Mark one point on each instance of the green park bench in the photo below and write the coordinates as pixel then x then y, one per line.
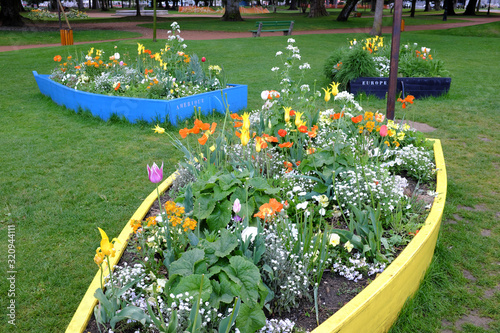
pixel 272 26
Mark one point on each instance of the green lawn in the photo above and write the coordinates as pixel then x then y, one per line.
pixel 65 174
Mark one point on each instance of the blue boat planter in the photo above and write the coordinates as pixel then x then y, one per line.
pixel 135 109
pixel 417 86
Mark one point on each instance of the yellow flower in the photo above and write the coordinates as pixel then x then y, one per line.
pixel 369 126
pixel 287 114
pixel 159 129
pixel 334 88
pixel 298 119
pixel 107 247
pixel 244 137
pixel 400 136
pixel 334 240
pixel 212 148
pixel 368 115
pixel 348 246
pixel 140 48
pixel 327 94
pixel 391 133
pixel 246 121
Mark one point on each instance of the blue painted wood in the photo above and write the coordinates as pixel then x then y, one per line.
pixel 150 110
pixel 417 86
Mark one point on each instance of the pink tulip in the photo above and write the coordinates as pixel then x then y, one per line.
pixel 155 174
pixel 383 130
pixel 237 206
pixel 203 59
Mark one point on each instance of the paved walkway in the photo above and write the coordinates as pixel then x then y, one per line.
pixel 207 35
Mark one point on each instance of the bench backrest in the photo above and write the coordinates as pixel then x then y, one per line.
pixel 273 23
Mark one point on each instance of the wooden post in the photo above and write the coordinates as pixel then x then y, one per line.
pixel 154 20
pixel 393 72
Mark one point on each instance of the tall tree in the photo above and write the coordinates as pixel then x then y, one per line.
pixel 293 5
pixel 137 8
pixel 471 8
pixel 349 6
pixel 9 14
pixel 427 6
pixel 449 7
pixel 377 19
pixel 437 5
pixel 413 6
pixel 232 12
pixel 318 9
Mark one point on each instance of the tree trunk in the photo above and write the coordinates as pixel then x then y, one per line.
pixel 232 12
pixel 373 6
pixel 9 14
pixel 437 5
pixel 427 5
pixel 293 5
pixel 137 8
pixel 478 6
pixel 318 9
pixel 346 11
pixel 471 8
pixel 80 4
pixel 377 19
pixel 413 5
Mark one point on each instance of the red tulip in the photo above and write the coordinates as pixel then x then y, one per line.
pixel 203 59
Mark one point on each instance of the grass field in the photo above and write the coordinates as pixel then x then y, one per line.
pixel 64 174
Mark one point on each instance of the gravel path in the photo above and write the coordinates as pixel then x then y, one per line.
pixel 207 35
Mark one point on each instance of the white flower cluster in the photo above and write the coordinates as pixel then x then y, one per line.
pixel 416 161
pixel 278 326
pixel 364 184
pixel 383 66
pixel 356 265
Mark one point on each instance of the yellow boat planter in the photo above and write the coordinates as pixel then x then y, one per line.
pixel 376 307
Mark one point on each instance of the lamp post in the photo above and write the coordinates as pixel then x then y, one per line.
pixel 393 71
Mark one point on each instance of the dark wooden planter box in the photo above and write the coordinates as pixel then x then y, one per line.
pixel 416 86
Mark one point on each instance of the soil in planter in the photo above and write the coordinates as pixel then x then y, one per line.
pixel 334 291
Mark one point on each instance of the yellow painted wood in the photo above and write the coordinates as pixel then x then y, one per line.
pixel 376 308
pixel 373 310
pixel 86 308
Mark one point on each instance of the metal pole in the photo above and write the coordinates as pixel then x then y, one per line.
pixel 393 73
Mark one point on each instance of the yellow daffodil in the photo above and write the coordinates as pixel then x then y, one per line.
pixel 334 88
pixel 159 129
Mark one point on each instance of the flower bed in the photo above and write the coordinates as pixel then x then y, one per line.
pixel 377 306
pixel 263 204
pixel 135 109
pixel 364 67
pixel 155 86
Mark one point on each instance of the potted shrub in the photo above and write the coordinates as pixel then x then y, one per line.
pixel 363 66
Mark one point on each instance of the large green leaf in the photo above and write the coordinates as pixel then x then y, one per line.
pixel 220 217
pixel 221 292
pixel 245 274
pixel 225 244
pixel 228 181
pixel 191 284
pixel 186 264
pixel 130 312
pixel 250 318
pixel 203 206
pixel 261 184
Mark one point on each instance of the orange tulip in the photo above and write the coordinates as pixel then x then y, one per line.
pixel 285 145
pixel 203 139
pixel 357 119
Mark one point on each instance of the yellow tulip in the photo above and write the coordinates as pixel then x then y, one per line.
pixel 327 94
pixel 244 137
pixel 334 88
pixel 246 121
pixel 298 119
pixel 107 247
pixel 159 129
pixel 287 114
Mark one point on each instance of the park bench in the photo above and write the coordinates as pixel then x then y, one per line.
pixel 272 26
